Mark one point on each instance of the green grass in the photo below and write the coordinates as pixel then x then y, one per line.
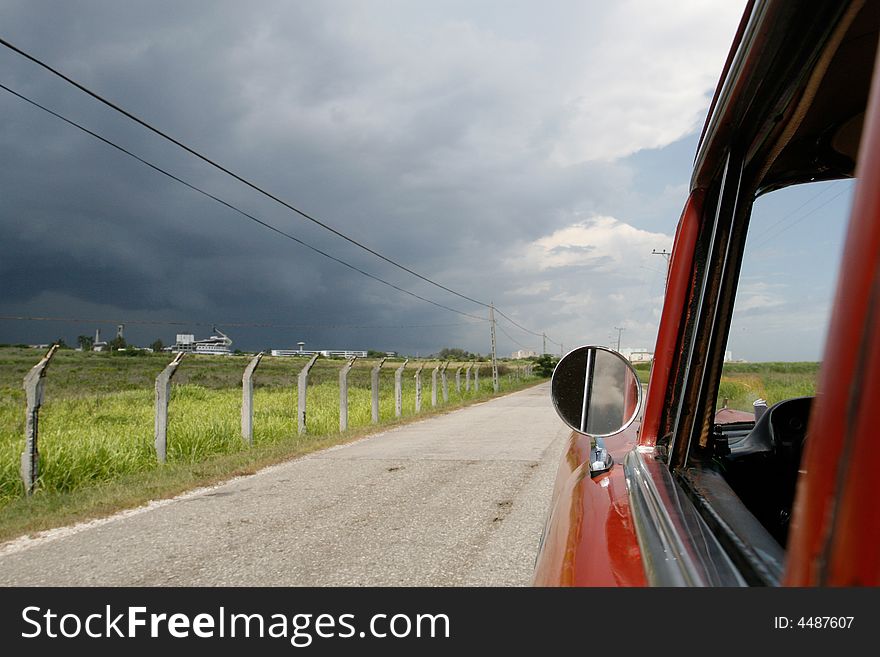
pixel 743 383
pixel 643 370
pixel 96 425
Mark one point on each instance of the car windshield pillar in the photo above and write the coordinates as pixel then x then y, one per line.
pixel 708 327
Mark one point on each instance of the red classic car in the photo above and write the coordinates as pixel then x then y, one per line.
pixel 674 489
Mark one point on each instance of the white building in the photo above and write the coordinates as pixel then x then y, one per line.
pixel 523 353
pixel 292 352
pixel 99 344
pixel 637 355
pixel 326 353
pixel 215 345
pixel 343 353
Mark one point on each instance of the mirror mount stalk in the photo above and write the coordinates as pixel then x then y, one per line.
pixel 600 458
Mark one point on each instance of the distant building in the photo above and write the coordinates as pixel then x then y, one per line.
pixel 343 353
pixel 641 357
pixel 292 352
pixel 326 353
pixel 638 355
pixel 217 345
pixel 523 353
pixel 99 344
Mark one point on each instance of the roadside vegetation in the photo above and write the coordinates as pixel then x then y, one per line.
pixel 96 424
pixel 743 383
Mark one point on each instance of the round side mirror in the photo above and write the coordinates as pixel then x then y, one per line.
pixel 596 391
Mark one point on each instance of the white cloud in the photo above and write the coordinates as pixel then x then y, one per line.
pixel 753 296
pixel 595 81
pixel 533 290
pixel 601 243
pixel 594 274
pixel 646 77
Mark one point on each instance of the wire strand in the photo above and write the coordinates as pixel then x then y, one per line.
pixel 512 339
pixel 233 207
pixel 229 172
pixel 247 182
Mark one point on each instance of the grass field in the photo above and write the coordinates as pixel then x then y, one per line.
pixel 743 383
pixel 96 423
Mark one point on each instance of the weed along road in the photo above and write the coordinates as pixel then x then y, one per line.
pixel 458 499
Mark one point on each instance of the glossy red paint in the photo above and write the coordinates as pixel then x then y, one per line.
pixel 590 539
pixel 836 518
pixel 835 529
pixel 678 286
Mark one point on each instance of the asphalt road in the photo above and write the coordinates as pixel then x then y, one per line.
pixel 455 500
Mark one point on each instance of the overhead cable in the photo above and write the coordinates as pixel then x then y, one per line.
pixel 233 207
pixel 245 181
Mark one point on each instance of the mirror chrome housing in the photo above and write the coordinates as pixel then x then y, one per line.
pixel 596 391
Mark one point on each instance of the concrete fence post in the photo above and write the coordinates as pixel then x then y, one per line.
pixel 445 383
pixel 398 389
pixel 247 400
pixel 458 380
pixel 374 389
pixel 467 377
pixel 418 378
pixel 343 394
pixel 302 383
pixel 163 392
pixel 33 386
pixel 477 377
pixel 434 385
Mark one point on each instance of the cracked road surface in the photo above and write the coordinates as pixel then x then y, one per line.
pixel 455 500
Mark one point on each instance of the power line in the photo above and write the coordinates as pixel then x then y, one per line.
pixel 245 181
pixel 520 326
pixel 512 339
pixel 231 206
pixel 229 172
pixel 773 236
pixel 148 322
pixel 767 229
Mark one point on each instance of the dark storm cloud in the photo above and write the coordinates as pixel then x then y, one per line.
pixel 433 136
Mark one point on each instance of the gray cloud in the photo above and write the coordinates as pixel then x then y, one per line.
pixel 448 137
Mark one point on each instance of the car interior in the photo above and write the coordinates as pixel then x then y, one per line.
pixel 744 478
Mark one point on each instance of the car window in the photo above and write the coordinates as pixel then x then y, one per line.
pixel 784 296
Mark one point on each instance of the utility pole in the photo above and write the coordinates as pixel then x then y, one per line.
pixel 666 254
pixel 619 331
pixel 544 335
pixel 494 360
